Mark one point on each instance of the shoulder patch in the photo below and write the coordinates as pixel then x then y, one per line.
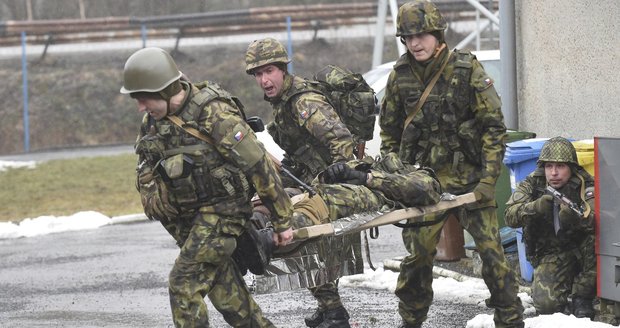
pixel 481 80
pixel 487 82
pixel 239 135
pixel 589 193
pixel 304 114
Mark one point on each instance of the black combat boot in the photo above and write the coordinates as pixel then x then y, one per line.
pixel 335 318
pixel 315 318
pixel 582 308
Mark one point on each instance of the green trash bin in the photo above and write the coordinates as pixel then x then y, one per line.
pixel 502 187
pixel 502 193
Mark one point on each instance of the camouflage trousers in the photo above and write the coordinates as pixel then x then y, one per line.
pixel 338 252
pixel 414 285
pixel 204 268
pixel 559 275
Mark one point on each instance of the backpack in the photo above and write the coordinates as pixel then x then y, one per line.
pixel 352 98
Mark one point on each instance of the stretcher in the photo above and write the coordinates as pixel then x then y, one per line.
pixel 308 266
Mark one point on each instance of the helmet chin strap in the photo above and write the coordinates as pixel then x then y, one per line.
pixel 167 98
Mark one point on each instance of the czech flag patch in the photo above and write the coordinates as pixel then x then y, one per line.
pixel 239 135
pixel 304 114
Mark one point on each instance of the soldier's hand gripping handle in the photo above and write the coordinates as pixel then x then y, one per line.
pixel 539 207
pixel 283 238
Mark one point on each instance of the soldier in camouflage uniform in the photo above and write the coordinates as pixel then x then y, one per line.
pixel 199 165
pixel 559 242
pixel 346 190
pixel 308 129
pixel 366 185
pixel 458 132
pixel 305 125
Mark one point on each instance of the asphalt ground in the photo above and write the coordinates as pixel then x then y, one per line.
pixel 116 276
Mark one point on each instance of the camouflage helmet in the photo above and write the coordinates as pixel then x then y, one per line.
pixel 420 16
pixel 263 52
pixel 151 70
pixel 558 149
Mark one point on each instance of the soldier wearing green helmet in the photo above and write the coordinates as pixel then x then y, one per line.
pixel 559 241
pixel 419 17
pixel 308 129
pixel 305 125
pixel 441 111
pixel 199 164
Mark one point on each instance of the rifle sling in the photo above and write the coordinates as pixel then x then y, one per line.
pixel 180 123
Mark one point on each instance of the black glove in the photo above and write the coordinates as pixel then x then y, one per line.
pixel 335 173
pixel 568 218
pixel 341 172
pixel 541 206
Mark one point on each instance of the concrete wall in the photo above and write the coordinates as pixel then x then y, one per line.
pixel 568 67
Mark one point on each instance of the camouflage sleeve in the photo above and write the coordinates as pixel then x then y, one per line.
pixel 587 224
pixel 318 117
pixel 237 143
pixel 488 112
pixel 514 214
pixel 269 188
pixel 391 117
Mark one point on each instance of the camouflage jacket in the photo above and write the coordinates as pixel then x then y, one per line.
pixel 308 129
pixel 218 177
pixel 538 230
pixel 459 131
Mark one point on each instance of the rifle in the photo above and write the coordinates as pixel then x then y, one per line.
pixel 257 125
pixel 562 198
pixel 284 170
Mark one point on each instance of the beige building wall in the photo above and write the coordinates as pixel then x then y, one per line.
pixel 568 67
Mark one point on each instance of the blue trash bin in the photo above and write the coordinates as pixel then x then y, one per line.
pixel 520 158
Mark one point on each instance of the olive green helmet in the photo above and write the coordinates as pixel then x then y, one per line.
pixel 151 70
pixel 420 16
pixel 558 149
pixel 263 52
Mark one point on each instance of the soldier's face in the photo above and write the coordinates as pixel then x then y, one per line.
pixel 270 78
pixel 422 45
pixel 557 174
pixel 156 107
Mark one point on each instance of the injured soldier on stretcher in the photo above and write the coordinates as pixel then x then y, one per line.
pixel 342 190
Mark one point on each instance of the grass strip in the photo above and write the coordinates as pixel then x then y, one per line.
pixel 64 187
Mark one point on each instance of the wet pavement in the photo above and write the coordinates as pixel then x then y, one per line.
pixel 116 276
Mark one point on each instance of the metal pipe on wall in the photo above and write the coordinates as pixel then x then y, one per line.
pixel 289 45
pixel 507 49
pixel 377 52
pixel 394 11
pixel 26 119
